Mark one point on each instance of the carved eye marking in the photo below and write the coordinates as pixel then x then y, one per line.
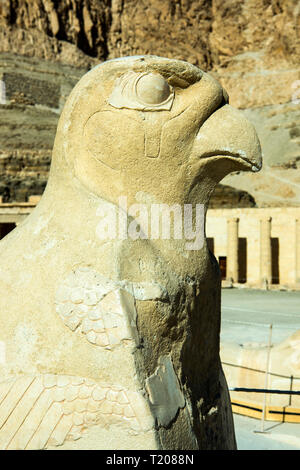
pixel 142 91
pixel 152 89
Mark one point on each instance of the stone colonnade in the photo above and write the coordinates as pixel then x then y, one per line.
pixel 265 250
pixel 265 242
pixel 232 273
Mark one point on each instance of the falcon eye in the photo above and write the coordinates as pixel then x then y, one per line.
pixel 152 89
pixel 145 91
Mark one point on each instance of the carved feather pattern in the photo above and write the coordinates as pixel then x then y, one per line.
pixel 46 410
pixel 92 305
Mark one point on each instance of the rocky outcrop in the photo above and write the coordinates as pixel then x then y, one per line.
pixel 33 94
pixel 226 196
pixel 207 32
pixel 277 184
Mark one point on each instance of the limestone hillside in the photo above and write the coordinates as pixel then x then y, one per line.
pixel 252 46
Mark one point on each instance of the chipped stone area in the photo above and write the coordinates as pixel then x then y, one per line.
pixel 145 290
pixel 165 395
pixel 101 309
pixel 41 411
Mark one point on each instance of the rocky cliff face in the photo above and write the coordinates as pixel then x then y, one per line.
pixel 32 96
pixel 205 32
pixel 251 46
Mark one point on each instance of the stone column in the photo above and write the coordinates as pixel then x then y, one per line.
pixel 297 251
pixel 233 250
pixel 265 252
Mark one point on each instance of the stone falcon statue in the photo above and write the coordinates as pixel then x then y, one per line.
pixel 113 343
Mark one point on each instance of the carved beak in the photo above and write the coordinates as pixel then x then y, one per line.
pixel 226 134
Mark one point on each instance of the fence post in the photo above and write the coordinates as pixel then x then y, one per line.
pixel 266 379
pixel 291 389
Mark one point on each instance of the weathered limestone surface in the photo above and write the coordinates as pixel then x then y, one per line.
pixel 117 334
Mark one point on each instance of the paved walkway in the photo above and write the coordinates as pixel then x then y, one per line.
pixel 277 436
pixel 247 314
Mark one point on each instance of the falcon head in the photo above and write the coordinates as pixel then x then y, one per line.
pixel 156 127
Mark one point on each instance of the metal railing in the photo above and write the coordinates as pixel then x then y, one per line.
pixel 264 390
